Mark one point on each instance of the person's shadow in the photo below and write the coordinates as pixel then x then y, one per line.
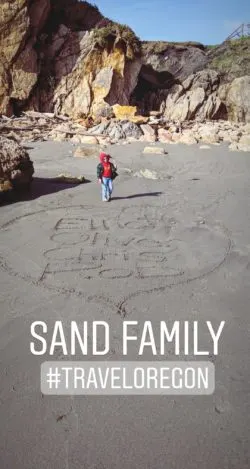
pixel 39 187
pixel 134 196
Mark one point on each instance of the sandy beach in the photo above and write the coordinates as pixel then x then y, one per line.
pixel 173 244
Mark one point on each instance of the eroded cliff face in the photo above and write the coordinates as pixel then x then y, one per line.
pixel 88 82
pixel 51 60
pixel 40 43
pixel 164 66
pixel 64 56
pixel 21 22
pixel 190 81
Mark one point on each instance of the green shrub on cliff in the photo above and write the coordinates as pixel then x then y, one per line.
pixel 110 33
pixel 232 58
pixel 160 47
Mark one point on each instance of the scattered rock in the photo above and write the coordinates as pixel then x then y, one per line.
pixel 86 139
pixel 209 134
pixel 173 129
pixel 228 136
pixel 246 128
pixel 155 150
pixel 100 128
pixel 83 152
pixel 242 145
pixel 85 123
pixel 124 112
pixel 187 138
pixel 56 137
pixel 34 126
pixel 148 133
pixel 164 135
pixel 105 111
pixel 175 137
pixel 233 147
pixel 154 121
pixel 116 132
pixel 245 140
pixel 103 141
pixel 125 170
pixel 131 130
pixel 139 120
pixel 132 139
pixel 146 173
pixel 155 113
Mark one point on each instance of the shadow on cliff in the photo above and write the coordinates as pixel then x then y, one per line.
pixel 152 89
pixel 39 187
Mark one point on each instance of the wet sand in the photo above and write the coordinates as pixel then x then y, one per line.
pixel 174 245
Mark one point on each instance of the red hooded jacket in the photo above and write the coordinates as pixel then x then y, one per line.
pixel 107 169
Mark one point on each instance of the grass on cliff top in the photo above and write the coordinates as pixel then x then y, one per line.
pixel 159 47
pixel 242 41
pixel 231 55
pixel 108 32
pixel 233 43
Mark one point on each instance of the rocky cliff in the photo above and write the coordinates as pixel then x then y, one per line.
pixel 64 56
pixel 193 81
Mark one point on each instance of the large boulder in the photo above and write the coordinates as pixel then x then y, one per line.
pixel 244 143
pixel 195 98
pixel 179 60
pixel 237 99
pixel 149 134
pixel 164 135
pixel 16 168
pixel 124 112
pixel 131 130
pixel 123 129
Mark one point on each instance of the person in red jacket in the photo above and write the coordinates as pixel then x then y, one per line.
pixel 106 173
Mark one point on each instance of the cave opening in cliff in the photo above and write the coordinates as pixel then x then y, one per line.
pixel 151 89
pixel 16 106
